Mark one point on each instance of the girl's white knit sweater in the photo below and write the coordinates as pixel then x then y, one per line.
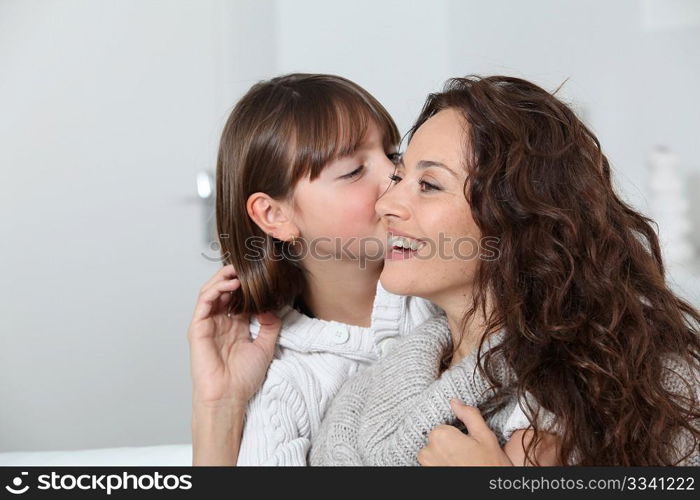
pixel 313 359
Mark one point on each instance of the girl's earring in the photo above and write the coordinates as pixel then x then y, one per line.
pixel 293 243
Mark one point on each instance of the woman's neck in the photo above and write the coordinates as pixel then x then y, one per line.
pixel 465 337
pixel 341 290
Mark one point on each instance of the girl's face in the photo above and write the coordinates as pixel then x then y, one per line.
pixel 335 212
pixel 427 206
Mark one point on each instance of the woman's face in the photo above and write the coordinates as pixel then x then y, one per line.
pixel 428 207
pixel 335 212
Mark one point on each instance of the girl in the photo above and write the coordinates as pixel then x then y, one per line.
pixel 569 321
pixel 302 160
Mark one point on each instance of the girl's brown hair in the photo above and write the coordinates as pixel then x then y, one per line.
pixel 280 131
pixel 579 286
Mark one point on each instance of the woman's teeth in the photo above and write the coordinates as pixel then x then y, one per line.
pixel 401 242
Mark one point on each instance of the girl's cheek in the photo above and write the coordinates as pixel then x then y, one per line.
pixel 357 220
pixel 360 207
pixel 367 194
pixel 349 212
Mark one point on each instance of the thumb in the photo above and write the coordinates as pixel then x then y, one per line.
pixel 270 326
pixel 472 419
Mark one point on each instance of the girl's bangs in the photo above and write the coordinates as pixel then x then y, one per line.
pixel 335 128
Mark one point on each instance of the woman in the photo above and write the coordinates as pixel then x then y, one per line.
pixel 570 322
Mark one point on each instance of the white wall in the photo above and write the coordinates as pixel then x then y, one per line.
pixel 396 49
pixel 637 84
pixel 109 108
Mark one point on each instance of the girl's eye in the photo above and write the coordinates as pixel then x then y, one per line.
pixel 354 173
pixel 394 178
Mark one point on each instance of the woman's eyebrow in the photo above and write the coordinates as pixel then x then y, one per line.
pixel 423 164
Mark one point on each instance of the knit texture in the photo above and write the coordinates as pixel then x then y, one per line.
pixel 313 358
pixel 382 416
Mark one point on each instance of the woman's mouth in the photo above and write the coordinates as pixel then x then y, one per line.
pixel 402 247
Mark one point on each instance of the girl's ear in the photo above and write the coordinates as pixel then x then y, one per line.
pixel 272 216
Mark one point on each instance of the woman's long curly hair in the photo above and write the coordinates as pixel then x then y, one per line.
pixel 579 285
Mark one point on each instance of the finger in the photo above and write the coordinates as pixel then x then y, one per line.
pixel 224 273
pixel 441 433
pixel 206 301
pixel 424 457
pixel 270 326
pixel 222 292
pixel 471 416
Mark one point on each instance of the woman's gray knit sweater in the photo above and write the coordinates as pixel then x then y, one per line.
pixel 382 415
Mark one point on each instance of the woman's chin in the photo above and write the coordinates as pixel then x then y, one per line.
pixel 400 283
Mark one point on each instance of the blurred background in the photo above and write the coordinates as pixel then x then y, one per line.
pixel 110 114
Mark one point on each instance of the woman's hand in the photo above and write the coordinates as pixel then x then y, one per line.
pixel 226 365
pixel 447 445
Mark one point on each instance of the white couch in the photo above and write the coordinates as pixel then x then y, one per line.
pixel 162 455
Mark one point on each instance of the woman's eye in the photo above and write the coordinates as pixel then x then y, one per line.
pixel 428 186
pixel 425 186
pixel 354 173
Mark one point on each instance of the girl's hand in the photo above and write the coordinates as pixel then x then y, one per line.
pixel 226 365
pixel 447 445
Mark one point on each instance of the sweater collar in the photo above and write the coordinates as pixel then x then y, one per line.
pixel 304 334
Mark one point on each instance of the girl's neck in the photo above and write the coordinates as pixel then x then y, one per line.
pixel 341 291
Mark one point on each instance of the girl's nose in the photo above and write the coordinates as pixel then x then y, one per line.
pixel 390 205
pixel 383 173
